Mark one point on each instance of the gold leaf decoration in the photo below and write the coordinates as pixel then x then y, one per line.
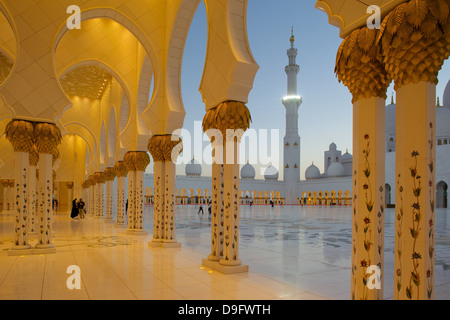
pixel 136 160
pixel 121 169
pixel 21 135
pixel 358 65
pixel 110 174
pixel 414 41
pixel 229 115
pixel 161 147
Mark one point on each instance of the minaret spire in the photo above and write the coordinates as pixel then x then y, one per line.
pixel 292 102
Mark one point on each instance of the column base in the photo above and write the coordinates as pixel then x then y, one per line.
pixel 155 243
pixel 214 258
pixel 136 232
pixel 44 249
pixel 110 221
pixel 20 250
pixel 225 269
pixel 170 244
pixel 121 225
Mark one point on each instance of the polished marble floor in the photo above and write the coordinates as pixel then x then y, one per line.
pixel 292 253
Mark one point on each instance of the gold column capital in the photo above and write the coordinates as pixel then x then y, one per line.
pixel 34 156
pixel 228 115
pixel 110 174
pixel 136 160
pixel 47 138
pixel 21 135
pixel 161 147
pixel 120 169
pixel 359 67
pixel 414 40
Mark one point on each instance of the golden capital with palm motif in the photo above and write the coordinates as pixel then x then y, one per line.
pixel 358 65
pixel 21 135
pixel 414 39
pixel 162 147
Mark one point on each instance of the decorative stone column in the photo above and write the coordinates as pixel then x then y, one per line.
pixel 231 119
pixel 20 134
pixel 414 40
pixel 121 172
pixel 110 175
pixel 136 163
pixel 70 198
pixel 164 150
pixel 47 139
pixel 360 70
pixel 217 209
pixel 5 185
pixel 32 196
pixel 92 202
pixel 100 180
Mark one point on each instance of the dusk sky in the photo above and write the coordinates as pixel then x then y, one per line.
pixel 326 113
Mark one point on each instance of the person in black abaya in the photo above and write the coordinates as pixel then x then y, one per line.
pixel 75 210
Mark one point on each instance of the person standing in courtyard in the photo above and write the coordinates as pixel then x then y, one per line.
pixel 81 210
pixel 74 212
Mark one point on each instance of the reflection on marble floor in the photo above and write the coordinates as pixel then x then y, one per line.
pixel 292 253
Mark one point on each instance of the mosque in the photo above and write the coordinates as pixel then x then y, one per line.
pixel 91 96
pixel 334 185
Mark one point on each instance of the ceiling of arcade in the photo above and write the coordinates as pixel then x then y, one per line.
pixel 349 15
pixel 100 75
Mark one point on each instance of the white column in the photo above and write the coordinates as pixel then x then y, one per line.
pixel 45 218
pixel 159 200
pixel 217 208
pixel 368 191
pixel 169 205
pixel 131 197
pixel 109 201
pixel 121 199
pixel 415 194
pixel 32 200
pixel 21 172
pixel 231 202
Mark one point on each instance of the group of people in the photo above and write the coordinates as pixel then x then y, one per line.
pixel 78 209
pixel 201 208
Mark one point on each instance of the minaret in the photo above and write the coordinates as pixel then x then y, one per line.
pixel 292 102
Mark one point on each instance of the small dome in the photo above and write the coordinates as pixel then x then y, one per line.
pixel 347 157
pixel 248 172
pixel 332 146
pixel 336 170
pixel 312 172
pixel 193 168
pixel 271 173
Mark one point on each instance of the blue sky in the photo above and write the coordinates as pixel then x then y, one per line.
pixel 326 113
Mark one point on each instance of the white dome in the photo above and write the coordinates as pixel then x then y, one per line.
pixel 312 172
pixel 336 170
pixel 347 157
pixel 193 168
pixel 271 173
pixel 248 172
pixel 446 98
